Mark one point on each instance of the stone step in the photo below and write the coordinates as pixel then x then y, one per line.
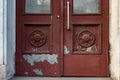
pixel 60 78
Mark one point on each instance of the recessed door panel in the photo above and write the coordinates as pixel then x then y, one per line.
pixel 87 39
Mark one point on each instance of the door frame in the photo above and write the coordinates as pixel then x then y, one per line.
pixel 113 37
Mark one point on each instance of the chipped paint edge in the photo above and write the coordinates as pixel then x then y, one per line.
pixel 38 72
pixel 66 51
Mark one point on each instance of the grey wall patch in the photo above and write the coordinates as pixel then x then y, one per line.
pixel 38 72
pixel 52 59
pixel 66 51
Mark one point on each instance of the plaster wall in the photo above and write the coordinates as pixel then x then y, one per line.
pixel 10 66
pixel 114 39
pixel 1 31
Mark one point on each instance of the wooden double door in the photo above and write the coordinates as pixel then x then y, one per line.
pixel 62 38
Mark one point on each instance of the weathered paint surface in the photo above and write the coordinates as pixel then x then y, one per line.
pixel 38 72
pixel 66 51
pixel 52 59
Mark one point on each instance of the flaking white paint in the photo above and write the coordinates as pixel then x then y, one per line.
pixel 38 72
pixel 50 58
pixel 89 49
pixel 66 51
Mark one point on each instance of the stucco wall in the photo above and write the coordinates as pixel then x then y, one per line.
pixel 114 39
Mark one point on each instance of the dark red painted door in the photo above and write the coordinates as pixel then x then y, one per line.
pixel 86 38
pixel 38 38
pixel 62 38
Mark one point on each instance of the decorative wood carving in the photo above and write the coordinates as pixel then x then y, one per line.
pixel 37 38
pixel 85 38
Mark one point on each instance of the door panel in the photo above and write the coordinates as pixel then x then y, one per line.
pixel 62 38
pixel 85 44
pixel 38 45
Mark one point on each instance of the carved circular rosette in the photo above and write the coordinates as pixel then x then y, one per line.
pixel 37 38
pixel 85 38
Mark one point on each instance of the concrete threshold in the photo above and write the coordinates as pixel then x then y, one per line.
pixel 60 78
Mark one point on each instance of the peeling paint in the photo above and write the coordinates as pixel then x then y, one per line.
pixel 38 72
pixel 52 59
pixel 34 49
pixel 66 51
pixel 93 48
pixel 26 73
pixel 89 49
